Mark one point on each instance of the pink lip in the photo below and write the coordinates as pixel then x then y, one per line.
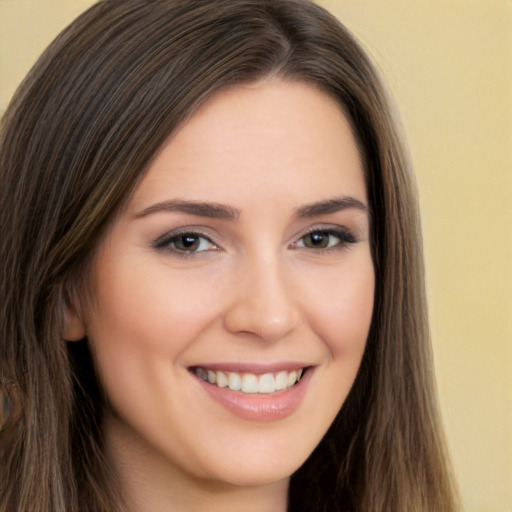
pixel 258 407
pixel 257 368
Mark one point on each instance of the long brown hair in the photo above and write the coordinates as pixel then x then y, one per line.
pixel 75 141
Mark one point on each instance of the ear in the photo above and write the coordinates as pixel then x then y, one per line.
pixel 74 326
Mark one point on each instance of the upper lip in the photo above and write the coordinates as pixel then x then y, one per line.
pixel 253 367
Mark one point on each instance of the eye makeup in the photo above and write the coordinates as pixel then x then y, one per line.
pixel 185 242
pixel 191 241
pixel 325 239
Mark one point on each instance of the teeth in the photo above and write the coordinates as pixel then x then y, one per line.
pixel 222 380
pixel 292 378
pixel 202 373
pixel 234 381
pixel 267 383
pixel 282 380
pixel 249 382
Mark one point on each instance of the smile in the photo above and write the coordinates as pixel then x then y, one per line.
pixel 250 383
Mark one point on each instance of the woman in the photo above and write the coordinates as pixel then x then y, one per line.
pixel 212 289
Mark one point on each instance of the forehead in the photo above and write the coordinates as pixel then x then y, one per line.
pixel 273 136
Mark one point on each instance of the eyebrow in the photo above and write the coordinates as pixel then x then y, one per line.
pixel 226 212
pixel 199 208
pixel 333 205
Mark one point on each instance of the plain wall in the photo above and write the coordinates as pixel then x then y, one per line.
pixel 448 65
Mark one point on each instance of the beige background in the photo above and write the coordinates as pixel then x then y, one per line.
pixel 448 64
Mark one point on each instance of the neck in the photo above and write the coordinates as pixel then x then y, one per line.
pixel 151 483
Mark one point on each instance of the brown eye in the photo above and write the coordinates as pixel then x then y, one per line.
pixel 184 243
pixel 187 242
pixel 325 239
pixel 317 240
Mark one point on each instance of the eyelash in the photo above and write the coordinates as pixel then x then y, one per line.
pixel 344 235
pixel 168 240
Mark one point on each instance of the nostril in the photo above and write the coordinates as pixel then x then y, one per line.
pixel 268 319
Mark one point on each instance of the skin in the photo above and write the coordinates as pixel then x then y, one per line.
pixel 254 291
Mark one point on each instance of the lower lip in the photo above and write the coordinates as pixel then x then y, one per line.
pixel 259 407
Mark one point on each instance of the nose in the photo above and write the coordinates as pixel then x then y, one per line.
pixel 264 303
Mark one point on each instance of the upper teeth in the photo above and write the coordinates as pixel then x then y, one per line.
pixel 250 382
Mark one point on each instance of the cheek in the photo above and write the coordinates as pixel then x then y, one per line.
pixel 341 307
pixel 145 307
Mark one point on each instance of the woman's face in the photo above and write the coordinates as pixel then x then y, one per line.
pixel 242 260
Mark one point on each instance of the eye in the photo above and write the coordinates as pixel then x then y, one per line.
pixel 322 239
pixel 185 243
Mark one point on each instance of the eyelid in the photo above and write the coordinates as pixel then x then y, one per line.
pixel 345 235
pixel 163 242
